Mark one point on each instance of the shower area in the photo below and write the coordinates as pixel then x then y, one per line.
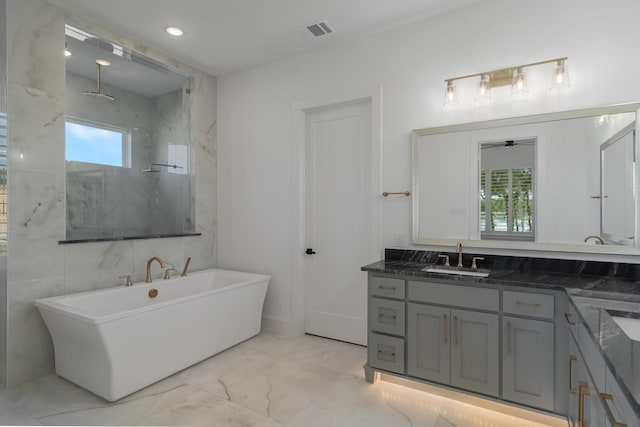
pixel 129 167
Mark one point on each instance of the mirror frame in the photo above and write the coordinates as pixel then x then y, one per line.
pixel 510 245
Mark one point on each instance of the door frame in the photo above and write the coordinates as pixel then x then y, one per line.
pixel 299 112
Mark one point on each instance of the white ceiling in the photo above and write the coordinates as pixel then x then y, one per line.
pixel 224 36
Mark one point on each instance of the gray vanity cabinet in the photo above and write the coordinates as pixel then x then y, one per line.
pixel 527 362
pixel 386 324
pixel 585 407
pixel 429 342
pixel 453 347
pixel 475 364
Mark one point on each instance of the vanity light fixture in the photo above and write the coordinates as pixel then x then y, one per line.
pixel 560 76
pixel 514 76
pixel 519 82
pixel 175 31
pixel 484 87
pixel 67 52
pixel 450 95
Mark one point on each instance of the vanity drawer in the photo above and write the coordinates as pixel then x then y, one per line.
pixel 453 295
pixel 386 316
pixel 386 287
pixel 385 352
pixel 528 304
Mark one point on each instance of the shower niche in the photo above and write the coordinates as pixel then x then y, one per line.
pixel 129 157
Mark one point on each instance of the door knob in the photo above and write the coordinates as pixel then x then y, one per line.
pixel 310 251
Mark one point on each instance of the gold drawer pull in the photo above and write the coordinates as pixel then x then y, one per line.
pixel 583 390
pixel 612 419
pixel 568 317
pixel 528 304
pixel 382 316
pixel 572 359
pixel 389 288
pixel 386 353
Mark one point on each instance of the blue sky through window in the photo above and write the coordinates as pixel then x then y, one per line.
pixel 84 143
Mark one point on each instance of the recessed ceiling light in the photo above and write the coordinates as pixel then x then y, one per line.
pixel 103 62
pixel 175 31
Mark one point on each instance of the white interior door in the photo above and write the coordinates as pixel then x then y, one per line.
pixel 339 215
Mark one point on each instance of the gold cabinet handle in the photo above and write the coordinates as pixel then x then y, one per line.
pixel 455 330
pixel 528 304
pixel 572 359
pixel 444 329
pixel 583 390
pixel 508 337
pixel 386 353
pixel 389 288
pixel 612 419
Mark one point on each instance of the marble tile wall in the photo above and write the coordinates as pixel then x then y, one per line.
pixel 37 265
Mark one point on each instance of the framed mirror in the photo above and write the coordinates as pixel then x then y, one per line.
pixel 129 160
pixel 556 182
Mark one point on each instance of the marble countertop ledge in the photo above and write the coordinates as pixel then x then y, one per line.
pixel 592 287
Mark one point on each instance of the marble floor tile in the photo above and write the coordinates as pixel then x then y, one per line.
pixel 267 381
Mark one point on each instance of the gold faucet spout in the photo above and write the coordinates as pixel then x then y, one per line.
pixel 155 258
pixel 459 250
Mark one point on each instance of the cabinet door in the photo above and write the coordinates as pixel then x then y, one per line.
pixel 428 342
pixel 527 362
pixel 575 364
pixel 592 410
pixel 620 410
pixel 474 351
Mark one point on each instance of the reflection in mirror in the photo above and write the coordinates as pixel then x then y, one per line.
pixel 127 145
pixel 506 189
pixel 617 184
pixel 529 182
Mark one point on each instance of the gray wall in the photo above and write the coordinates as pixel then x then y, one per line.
pixel 37 265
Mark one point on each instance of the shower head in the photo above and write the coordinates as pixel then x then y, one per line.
pixel 99 95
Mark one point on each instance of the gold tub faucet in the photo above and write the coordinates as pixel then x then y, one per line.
pixel 459 250
pixel 155 258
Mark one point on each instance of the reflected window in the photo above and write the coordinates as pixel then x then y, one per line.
pixel 507 190
pixel 94 143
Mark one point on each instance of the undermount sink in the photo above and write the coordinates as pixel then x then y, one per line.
pixel 628 321
pixel 457 271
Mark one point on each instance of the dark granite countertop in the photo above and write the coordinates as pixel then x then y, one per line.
pixel 592 287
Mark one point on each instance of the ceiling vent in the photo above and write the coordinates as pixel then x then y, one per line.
pixel 317 29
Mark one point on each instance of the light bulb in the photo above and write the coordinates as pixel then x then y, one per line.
pixel 450 96
pixel 519 82
pixel 560 76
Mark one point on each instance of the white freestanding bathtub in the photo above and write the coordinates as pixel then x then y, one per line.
pixel 115 341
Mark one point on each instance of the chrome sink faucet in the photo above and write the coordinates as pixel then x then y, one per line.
pixel 155 258
pixel 459 250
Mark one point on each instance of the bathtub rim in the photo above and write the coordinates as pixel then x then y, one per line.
pixel 56 305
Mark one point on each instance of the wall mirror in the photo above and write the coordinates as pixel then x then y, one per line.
pixel 129 160
pixel 556 182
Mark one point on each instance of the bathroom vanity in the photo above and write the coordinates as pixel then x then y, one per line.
pixel 533 333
